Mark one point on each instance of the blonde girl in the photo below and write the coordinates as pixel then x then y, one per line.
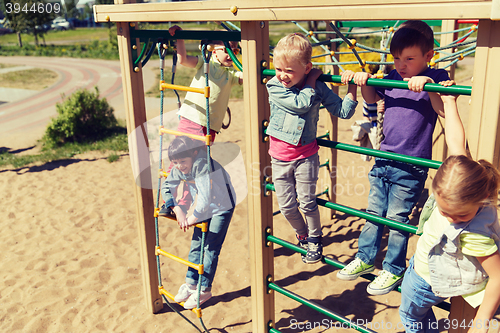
pixel 458 252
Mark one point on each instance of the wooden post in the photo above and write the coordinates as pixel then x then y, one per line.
pixel 133 91
pixel 331 125
pixel 484 141
pixel 255 47
pixel 460 312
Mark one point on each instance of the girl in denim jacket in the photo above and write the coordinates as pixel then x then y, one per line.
pixel 215 201
pixel 457 254
pixel 295 97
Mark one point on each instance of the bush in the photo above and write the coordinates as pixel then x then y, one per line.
pixel 83 117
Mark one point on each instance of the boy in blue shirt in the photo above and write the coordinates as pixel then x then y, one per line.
pixel 395 187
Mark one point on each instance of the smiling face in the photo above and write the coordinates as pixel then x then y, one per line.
pixel 184 164
pixel 291 73
pixel 412 61
pixel 454 214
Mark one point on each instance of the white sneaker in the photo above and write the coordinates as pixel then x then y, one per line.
pixel 184 292
pixel 192 301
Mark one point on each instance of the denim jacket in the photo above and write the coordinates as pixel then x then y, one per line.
pixel 213 191
pixel 452 272
pixel 295 112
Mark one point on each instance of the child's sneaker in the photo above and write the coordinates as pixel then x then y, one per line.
pixel 384 283
pixel 166 211
pixel 314 250
pixel 303 244
pixel 354 269
pixel 192 301
pixel 184 292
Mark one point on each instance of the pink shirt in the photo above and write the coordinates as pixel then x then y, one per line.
pixel 284 151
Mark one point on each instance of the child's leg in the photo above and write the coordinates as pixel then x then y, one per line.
pixel 371 234
pixel 215 237
pixel 284 185
pixel 306 176
pixel 417 300
pixel 407 185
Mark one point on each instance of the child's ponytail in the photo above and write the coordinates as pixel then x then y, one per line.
pixel 460 180
pixel 494 181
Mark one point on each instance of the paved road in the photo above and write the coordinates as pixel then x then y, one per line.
pixel 24 114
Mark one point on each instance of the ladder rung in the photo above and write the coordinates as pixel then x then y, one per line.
pixel 204 91
pixel 170 296
pixel 199 268
pixel 206 138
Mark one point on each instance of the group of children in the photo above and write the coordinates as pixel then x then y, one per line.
pixel 457 253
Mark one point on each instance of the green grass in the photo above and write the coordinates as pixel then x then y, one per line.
pixel 113 144
pixel 74 35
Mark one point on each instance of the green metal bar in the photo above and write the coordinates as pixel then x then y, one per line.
pixel 144 35
pixel 319 308
pixel 379 24
pixel 136 61
pixel 370 217
pixel 431 87
pixel 326 135
pixel 235 60
pixel 380 153
pixel 272 330
pixel 324 164
pixel 335 263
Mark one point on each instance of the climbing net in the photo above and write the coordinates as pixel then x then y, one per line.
pixel 457 49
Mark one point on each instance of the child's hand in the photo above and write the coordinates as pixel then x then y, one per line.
pixel 416 83
pixel 447 83
pixel 360 78
pixel 173 29
pixel 447 98
pixel 347 76
pixel 181 218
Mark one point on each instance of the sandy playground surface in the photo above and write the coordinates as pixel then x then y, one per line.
pixel 70 254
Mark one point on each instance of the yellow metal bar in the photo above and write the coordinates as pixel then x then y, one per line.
pixel 163 173
pixel 180 260
pixel 208 140
pixel 170 296
pixel 203 91
pixel 203 226
pixel 163 130
pixel 206 92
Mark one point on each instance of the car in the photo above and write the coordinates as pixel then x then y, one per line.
pixel 60 23
pixel 4 30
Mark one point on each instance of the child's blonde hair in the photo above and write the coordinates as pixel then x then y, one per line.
pixel 460 180
pixel 294 46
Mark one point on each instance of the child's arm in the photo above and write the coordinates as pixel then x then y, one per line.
pixel 491 301
pixel 184 59
pixel 417 84
pixel 352 89
pixel 166 193
pixel 453 127
pixel 368 92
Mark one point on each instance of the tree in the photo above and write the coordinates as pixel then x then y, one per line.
pixel 27 16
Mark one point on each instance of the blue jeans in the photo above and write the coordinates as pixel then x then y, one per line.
pixel 217 230
pixel 417 300
pixel 297 180
pixel 395 188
